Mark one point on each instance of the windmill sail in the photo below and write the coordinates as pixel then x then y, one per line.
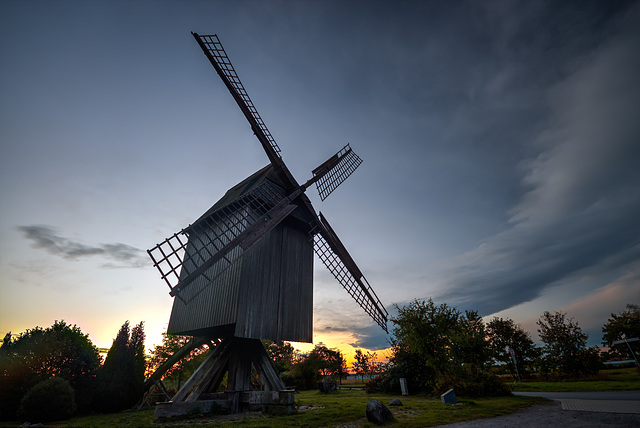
pixel 337 259
pixel 216 54
pixel 199 254
pixel 335 170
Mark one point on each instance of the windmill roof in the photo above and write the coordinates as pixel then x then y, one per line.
pixel 245 186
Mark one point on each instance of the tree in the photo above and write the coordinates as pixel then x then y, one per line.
pixel 470 344
pixel 281 355
pixel 364 363
pixel 36 355
pixel 435 348
pixel 505 332
pixel 329 362
pixel 565 345
pixel 626 323
pixel 121 378
pixel 423 344
pixel 306 371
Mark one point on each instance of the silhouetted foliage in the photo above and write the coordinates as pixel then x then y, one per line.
pixel 505 332
pixel 38 354
pixel 308 370
pixel 281 355
pixel 120 381
pixel 49 400
pixel 435 348
pixel 364 362
pixel 422 346
pixel 626 323
pixel 565 346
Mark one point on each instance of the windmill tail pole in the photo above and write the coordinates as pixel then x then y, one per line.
pixel 194 343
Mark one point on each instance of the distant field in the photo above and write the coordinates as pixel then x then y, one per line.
pixel 606 380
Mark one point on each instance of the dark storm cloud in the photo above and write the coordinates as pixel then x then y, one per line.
pixel 578 209
pixel 45 237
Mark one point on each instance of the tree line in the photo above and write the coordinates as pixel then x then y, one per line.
pixel 437 347
pixel 52 373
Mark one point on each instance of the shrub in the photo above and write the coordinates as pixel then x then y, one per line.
pixel 49 400
pixel 61 350
pixel 471 383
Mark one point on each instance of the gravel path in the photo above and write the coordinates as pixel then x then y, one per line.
pixel 551 415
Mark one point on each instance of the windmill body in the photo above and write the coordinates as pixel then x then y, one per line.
pixel 266 294
pixel 243 272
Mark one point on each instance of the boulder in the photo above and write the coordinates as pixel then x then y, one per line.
pixel 326 386
pixel 378 413
pixel 395 402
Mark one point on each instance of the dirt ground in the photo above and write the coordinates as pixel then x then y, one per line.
pixel 551 415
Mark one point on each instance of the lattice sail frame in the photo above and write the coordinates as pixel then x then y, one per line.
pixel 329 181
pixel 178 257
pixel 353 282
pixel 215 49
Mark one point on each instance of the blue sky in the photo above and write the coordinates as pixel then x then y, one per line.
pixel 499 139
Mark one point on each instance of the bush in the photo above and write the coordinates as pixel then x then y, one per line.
pixel 61 350
pixel 471 383
pixel 49 400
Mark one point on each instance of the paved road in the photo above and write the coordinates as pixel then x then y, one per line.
pixel 594 401
pixel 585 395
pixel 614 409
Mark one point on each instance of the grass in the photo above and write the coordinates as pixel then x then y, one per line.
pixel 348 407
pixel 318 410
pixel 606 380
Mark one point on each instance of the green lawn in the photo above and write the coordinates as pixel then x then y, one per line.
pixel 606 380
pixel 348 407
pixel 341 407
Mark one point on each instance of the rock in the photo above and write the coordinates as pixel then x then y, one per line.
pixel 326 386
pixel 395 402
pixel 378 413
pixel 449 397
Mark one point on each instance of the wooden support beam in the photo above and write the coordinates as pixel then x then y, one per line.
pixel 200 371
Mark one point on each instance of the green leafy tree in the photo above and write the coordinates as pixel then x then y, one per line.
pixel 435 348
pixel 364 363
pixel 281 355
pixel 307 370
pixel 423 343
pixel 470 341
pixel 121 378
pixel 626 324
pixel 565 345
pixel 505 332
pixel 330 361
pixel 36 355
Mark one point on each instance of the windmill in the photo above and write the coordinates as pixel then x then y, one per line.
pixel 243 271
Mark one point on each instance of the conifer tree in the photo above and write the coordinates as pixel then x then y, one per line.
pixel 120 382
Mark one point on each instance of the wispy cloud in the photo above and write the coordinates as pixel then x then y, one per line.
pixel 578 211
pixel 46 238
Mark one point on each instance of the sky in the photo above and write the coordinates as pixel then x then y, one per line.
pixel 500 142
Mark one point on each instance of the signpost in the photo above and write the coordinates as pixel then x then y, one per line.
pixel 513 356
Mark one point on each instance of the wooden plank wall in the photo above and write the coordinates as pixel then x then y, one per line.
pixel 267 294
